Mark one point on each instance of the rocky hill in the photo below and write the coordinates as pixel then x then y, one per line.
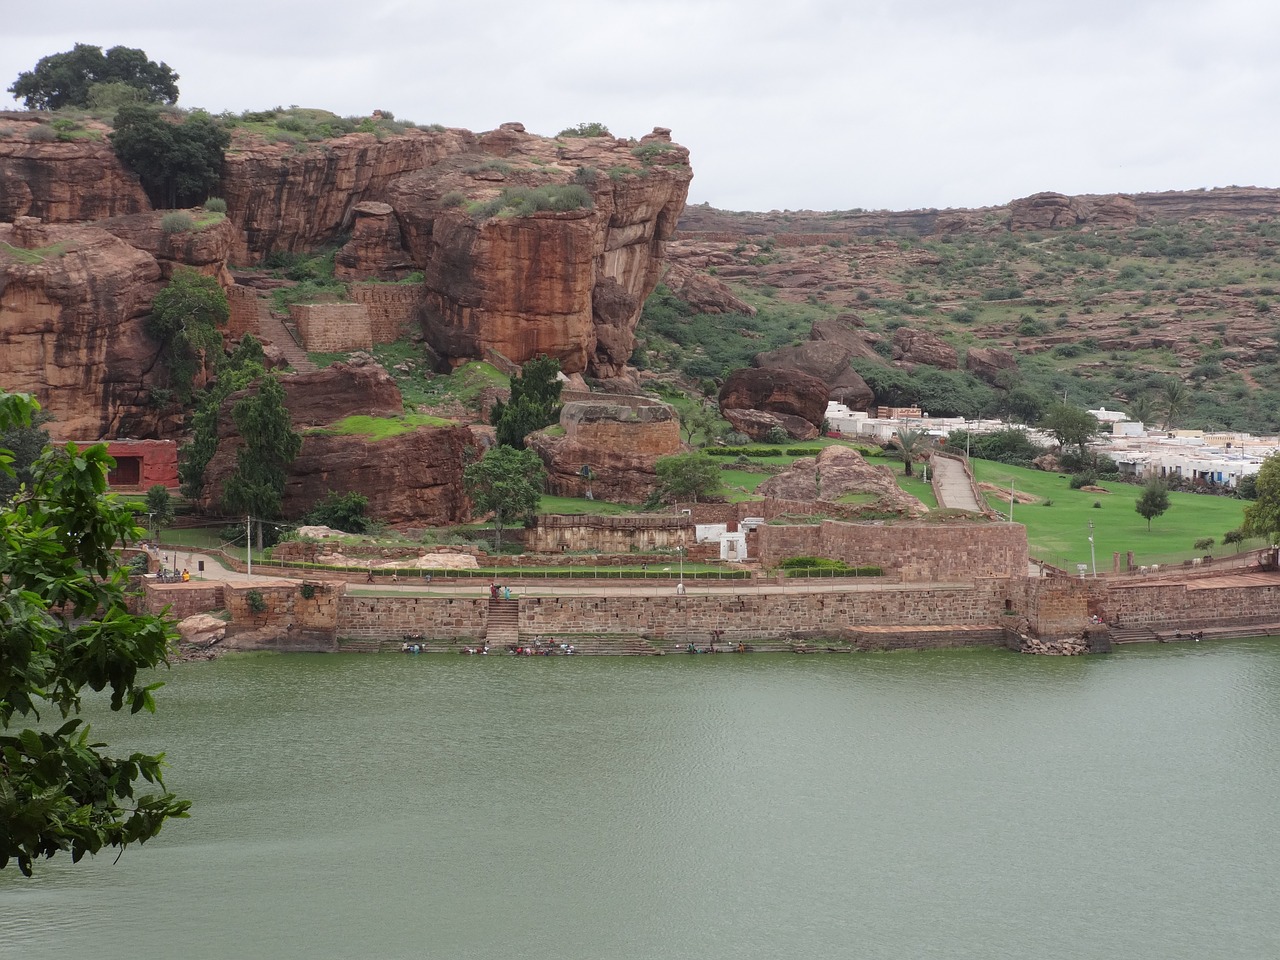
pixel 1109 299
pixel 524 245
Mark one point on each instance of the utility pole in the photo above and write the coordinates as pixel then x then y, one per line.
pixel 1093 558
pixel 248 543
pixel 1011 501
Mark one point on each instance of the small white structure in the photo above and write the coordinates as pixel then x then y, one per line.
pixel 710 532
pixel 733 547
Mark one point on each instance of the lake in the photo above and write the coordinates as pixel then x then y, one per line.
pixel 948 804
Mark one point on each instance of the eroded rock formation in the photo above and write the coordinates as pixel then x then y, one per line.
pixel 783 392
pixel 828 362
pixel 838 471
pixel 916 346
pixel 72 303
pixel 989 363
pixel 619 442
pixel 360 387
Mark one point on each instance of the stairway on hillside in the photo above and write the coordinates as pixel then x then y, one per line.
pixel 273 329
pixel 503 624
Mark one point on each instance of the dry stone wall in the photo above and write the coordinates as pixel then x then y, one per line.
pixel 332 327
pixel 390 308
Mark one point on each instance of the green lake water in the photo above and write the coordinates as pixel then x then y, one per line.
pixel 953 804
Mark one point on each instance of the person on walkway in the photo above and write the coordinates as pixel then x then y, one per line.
pixel 680 589
pixel 493 590
pixel 369 578
pixel 506 593
pixel 186 576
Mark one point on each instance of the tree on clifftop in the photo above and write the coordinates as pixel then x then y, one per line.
pixel 65 626
pixel 178 164
pixel 67 79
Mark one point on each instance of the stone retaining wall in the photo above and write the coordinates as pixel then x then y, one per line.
pixel 245 304
pixel 332 327
pixel 390 308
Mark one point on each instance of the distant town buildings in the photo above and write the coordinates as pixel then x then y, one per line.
pixel 1212 458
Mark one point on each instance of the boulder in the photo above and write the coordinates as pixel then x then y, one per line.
pixel 826 360
pixel 1046 211
pixel 847 330
pixel 788 392
pixel 358 386
pixel 703 293
pixel 201 629
pixel 916 346
pixel 988 363
pixel 757 424
pixel 205 248
pixel 376 250
pixel 620 443
pixel 837 471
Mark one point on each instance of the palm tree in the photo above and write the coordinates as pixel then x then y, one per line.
pixel 910 444
pixel 1142 410
pixel 1177 398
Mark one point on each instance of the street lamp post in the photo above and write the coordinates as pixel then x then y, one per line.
pixel 1093 558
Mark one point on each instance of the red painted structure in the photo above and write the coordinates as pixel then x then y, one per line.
pixel 141 464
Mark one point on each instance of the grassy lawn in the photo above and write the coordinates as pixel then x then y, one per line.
pixel 568 506
pixel 380 428
pixel 1060 533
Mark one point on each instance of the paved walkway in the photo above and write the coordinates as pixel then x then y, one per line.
pixel 952 485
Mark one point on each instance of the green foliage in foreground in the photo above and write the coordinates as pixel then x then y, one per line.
pixel 64 627
pixel 524 201
pixel 1262 517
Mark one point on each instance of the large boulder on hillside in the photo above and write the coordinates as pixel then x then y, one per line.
pixel 916 346
pixel 619 441
pixel 827 361
pixel 758 424
pixel 357 387
pixel 704 293
pixel 988 363
pixel 376 249
pixel 847 330
pixel 786 392
pixel 838 471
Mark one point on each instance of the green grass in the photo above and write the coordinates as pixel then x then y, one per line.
pixel 37 255
pixel 1059 533
pixel 380 428
pixel 567 506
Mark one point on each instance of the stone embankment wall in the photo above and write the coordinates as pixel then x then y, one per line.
pixel 332 327
pixel 286 605
pixel 609 534
pixel 915 551
pixel 737 616
pixel 182 600
pixel 390 306
pixel 245 307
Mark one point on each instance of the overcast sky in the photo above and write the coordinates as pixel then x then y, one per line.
pixel 784 104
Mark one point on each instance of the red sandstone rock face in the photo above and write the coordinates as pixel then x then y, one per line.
pixel 827 361
pixel 916 346
pixel 705 294
pixel 1049 211
pixel 758 424
pixel 849 332
pixel 835 472
pixel 376 249
pixel 204 249
pixel 282 200
pixel 568 284
pixel 72 304
pixel 989 362
pixel 413 478
pixel 63 182
pixel 621 443
pixel 361 387
pixel 785 392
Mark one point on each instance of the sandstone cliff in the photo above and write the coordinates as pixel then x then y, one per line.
pixel 72 303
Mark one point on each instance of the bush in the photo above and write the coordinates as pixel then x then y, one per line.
pixel 454 198
pixel 177 222
pixel 1083 480
pixel 776 435
pixel 586 130
pixel 216 205
pixel 257 603
pixel 42 134
pixel 524 201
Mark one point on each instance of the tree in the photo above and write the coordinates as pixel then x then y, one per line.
pixel 687 476
pixel 256 488
pixel 186 317
pixel 178 164
pixel 1142 410
pixel 910 444
pixel 1236 537
pixel 1070 426
pixel 1176 398
pixel 341 511
pixel 1262 516
pixel 68 79
pixel 65 626
pixel 534 402
pixel 1153 502
pixel 24 444
pixel 1204 543
pixel 507 483
pixel 698 419
pixel 237 372
pixel 159 508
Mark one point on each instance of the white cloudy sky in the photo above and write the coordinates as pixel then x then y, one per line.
pixel 784 104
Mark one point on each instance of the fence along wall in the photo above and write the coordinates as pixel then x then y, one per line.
pixel 914 551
